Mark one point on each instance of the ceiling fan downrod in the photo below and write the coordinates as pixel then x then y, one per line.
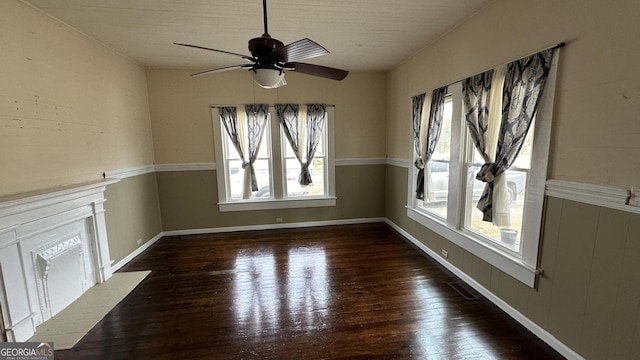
pixel 264 12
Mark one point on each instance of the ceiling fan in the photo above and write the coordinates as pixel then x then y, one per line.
pixel 270 58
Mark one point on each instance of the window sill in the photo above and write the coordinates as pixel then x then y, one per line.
pixel 504 261
pixel 276 204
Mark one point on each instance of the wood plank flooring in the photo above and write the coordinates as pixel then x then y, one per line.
pixel 339 292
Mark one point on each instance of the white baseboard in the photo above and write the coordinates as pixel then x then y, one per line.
pixel 541 333
pixel 273 226
pixel 148 244
pixel 136 252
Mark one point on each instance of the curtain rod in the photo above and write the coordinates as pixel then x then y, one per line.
pixel 556 46
pixel 270 105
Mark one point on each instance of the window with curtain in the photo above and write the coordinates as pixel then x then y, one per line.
pixel 274 156
pixel 436 177
pixel 484 183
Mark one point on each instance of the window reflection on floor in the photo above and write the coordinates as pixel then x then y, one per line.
pixel 307 287
pixel 256 297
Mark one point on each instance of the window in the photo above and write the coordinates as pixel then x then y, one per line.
pixel 516 178
pixel 454 191
pixel 438 168
pixel 276 167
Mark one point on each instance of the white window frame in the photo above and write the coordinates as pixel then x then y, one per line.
pixel 522 266
pixel 279 199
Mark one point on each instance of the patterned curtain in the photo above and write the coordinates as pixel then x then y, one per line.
pixel 257 116
pixel 476 94
pixel 524 82
pixel 434 128
pixel 288 117
pixel 316 118
pixel 256 120
pixel 417 103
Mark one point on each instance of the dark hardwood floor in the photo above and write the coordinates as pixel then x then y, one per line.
pixel 340 292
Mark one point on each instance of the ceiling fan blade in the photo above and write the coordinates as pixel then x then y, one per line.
pixel 246 57
pixel 317 70
pixel 219 70
pixel 300 50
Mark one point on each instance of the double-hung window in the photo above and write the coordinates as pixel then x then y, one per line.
pixel 481 185
pixel 256 164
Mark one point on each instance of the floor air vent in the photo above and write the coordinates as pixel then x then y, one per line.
pixel 463 291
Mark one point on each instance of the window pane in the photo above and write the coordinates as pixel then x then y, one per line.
pixel 523 160
pixel 235 172
pixel 438 184
pixel 316 169
pixel 317 176
pixel 443 147
pixel 230 150
pixel 235 177
pixel 516 185
pixel 438 189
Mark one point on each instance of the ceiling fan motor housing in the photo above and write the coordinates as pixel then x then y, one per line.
pixel 263 48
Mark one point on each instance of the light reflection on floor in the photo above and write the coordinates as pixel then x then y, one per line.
pixel 258 300
pixel 308 287
pixel 255 290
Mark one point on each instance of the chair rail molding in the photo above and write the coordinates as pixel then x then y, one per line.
pixel 609 197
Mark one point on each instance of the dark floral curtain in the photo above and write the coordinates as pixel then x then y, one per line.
pixel 434 127
pixel 316 119
pixel 476 95
pixel 523 85
pixel 313 127
pixel 257 115
pixel 288 117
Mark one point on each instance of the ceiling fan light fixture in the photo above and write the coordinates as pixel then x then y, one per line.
pixel 268 78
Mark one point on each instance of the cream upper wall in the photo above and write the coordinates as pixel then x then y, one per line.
pixel 596 129
pixel 181 113
pixel 70 108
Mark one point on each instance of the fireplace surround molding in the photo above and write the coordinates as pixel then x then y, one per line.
pixel 53 248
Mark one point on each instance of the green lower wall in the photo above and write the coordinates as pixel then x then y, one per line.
pixel 188 200
pixel 132 213
pixel 589 297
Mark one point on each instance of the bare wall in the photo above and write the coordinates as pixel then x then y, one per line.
pixel 181 110
pixel 70 108
pixel 182 133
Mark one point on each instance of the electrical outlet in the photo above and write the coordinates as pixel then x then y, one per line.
pixel 139 242
pixel 278 220
pixel 445 253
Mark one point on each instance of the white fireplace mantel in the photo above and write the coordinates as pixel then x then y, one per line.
pixel 53 247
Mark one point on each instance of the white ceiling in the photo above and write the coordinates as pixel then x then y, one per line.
pixel 362 35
